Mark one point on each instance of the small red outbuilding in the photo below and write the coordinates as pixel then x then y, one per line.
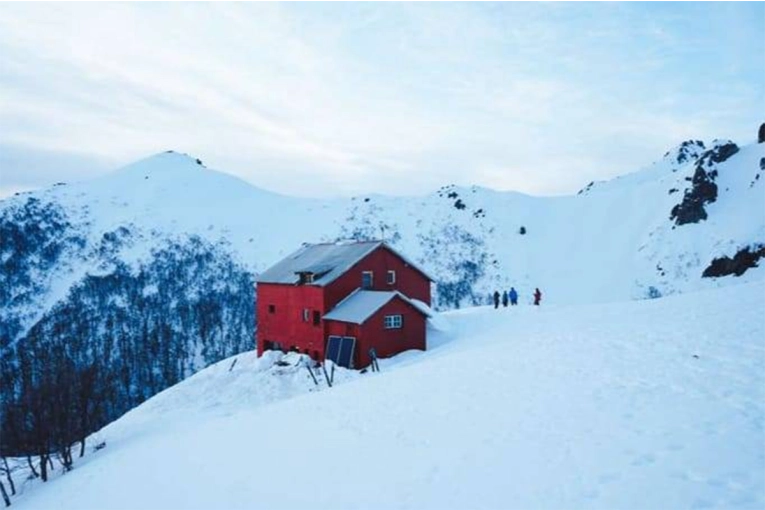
pixel 342 300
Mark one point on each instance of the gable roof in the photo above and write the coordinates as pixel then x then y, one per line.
pixel 360 305
pixel 327 262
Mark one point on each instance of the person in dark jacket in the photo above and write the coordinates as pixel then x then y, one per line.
pixel 504 298
pixel 537 297
pixel 513 296
pixel 496 299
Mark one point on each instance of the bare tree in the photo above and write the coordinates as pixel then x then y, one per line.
pixel 87 402
pixel 35 474
pixel 8 476
pixel 5 495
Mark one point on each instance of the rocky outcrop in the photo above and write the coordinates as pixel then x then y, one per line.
pixel 721 152
pixel 688 151
pixel 743 260
pixel 703 189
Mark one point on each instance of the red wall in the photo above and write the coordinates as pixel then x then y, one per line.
pixel 409 281
pixel 286 325
pixel 387 342
pixel 336 328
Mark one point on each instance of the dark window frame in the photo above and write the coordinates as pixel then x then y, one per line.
pixel 371 275
pixel 395 321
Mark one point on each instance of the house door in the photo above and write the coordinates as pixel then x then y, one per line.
pixel 340 350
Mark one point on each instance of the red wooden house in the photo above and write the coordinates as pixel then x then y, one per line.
pixel 340 300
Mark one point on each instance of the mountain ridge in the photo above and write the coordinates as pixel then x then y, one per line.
pixel 152 267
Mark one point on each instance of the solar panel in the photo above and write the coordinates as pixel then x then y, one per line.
pixel 333 348
pixel 345 358
pixel 340 350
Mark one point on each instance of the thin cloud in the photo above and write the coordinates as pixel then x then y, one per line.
pixel 333 99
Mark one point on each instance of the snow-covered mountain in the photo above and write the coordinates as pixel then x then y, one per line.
pixel 611 241
pixel 140 278
pixel 642 404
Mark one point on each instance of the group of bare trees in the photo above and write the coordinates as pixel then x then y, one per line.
pixel 116 340
pixel 118 337
pixel 459 258
pixel 55 407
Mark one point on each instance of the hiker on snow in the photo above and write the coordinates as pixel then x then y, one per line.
pixel 496 299
pixel 513 296
pixel 537 297
pixel 504 298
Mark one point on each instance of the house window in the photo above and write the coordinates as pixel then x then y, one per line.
pixel 306 314
pixel 305 277
pixel 367 277
pixel 316 318
pixel 271 308
pixel 391 277
pixel 393 321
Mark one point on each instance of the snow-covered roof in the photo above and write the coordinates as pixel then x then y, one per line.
pixel 326 261
pixel 422 307
pixel 362 304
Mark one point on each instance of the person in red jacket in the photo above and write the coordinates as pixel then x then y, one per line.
pixel 537 297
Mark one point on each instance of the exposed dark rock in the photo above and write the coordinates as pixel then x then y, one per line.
pixel 691 209
pixel 673 190
pixel 719 154
pixel 587 188
pixel 689 150
pixel 746 258
pixel 703 189
pixel 459 204
pixel 761 134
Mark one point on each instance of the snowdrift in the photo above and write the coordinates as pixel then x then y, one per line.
pixel 647 404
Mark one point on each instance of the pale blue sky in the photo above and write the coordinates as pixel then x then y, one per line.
pixel 337 99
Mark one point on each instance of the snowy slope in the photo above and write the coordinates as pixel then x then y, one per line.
pixel 145 276
pixel 611 242
pixel 643 404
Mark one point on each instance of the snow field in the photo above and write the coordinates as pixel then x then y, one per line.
pixel 649 404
